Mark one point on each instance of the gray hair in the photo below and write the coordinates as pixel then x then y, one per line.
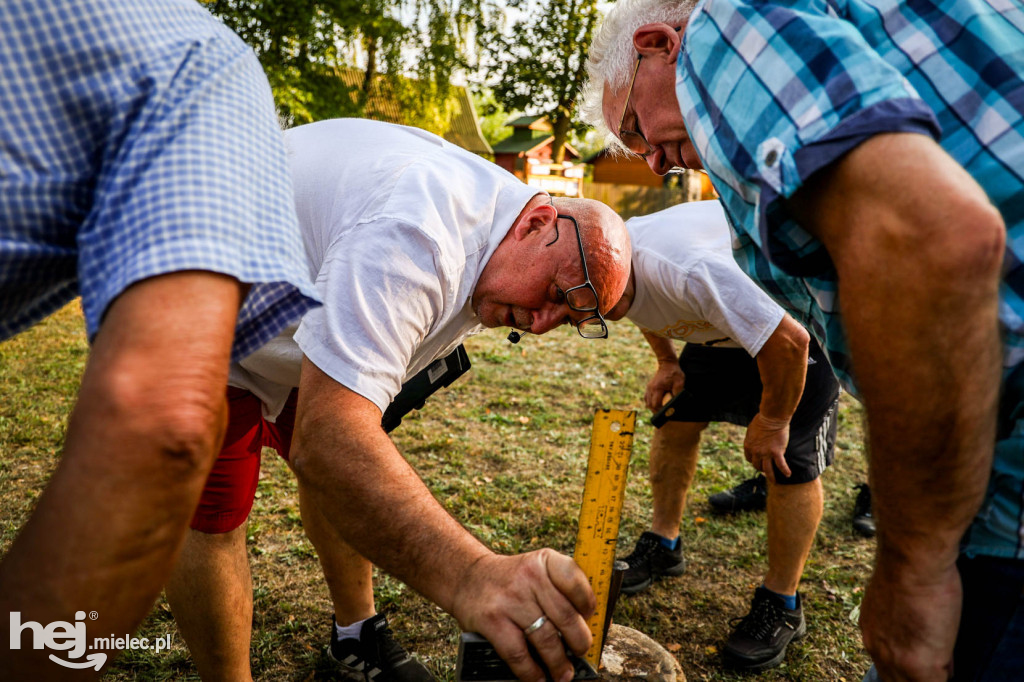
pixel 612 55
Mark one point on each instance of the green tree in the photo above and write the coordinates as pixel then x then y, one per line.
pixel 406 51
pixel 537 64
pixel 491 114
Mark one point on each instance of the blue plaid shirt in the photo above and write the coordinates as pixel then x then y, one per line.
pixel 137 139
pixel 773 91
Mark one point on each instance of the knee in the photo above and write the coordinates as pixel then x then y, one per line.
pixel 176 431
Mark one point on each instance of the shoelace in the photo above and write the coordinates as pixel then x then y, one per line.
pixel 645 547
pixel 759 624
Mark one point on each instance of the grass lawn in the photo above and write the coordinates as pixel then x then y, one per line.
pixel 505 450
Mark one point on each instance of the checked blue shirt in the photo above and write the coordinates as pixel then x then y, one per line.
pixel 137 139
pixel 773 91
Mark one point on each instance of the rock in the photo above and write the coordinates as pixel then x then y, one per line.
pixel 630 655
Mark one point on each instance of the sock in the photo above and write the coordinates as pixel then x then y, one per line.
pixel 788 599
pixel 350 631
pixel 669 544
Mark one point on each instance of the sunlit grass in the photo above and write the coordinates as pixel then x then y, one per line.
pixel 504 449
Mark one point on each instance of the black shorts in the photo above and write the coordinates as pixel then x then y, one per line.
pixel 723 385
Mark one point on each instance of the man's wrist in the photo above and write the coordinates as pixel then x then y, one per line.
pixel 774 423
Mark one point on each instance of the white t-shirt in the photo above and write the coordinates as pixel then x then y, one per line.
pixel 688 286
pixel 398 225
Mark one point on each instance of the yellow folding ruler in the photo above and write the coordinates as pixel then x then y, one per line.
pixel 611 443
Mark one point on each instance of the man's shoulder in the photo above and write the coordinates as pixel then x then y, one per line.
pixel 684 234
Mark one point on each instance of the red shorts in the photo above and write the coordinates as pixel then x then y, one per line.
pixel 231 487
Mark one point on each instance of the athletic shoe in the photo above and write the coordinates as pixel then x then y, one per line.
pixel 759 639
pixel 750 495
pixel 863 521
pixel 376 656
pixel 651 560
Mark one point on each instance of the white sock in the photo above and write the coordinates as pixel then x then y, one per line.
pixel 350 631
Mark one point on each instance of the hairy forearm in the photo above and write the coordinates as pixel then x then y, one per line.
pixel 664 349
pixel 918 248
pixel 360 481
pixel 782 364
pixel 140 442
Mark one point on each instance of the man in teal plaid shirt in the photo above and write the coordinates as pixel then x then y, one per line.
pixel 870 158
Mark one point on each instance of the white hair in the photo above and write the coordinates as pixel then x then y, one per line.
pixel 612 55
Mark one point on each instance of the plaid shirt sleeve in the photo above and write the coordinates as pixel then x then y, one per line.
pixel 140 139
pixel 772 92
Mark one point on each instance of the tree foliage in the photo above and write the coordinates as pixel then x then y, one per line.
pixel 406 50
pixel 537 65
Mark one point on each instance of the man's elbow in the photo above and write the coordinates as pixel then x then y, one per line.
pixel 790 341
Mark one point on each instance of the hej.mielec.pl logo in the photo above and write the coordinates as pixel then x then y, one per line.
pixel 71 637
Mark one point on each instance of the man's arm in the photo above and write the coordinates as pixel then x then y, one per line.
pixel 359 480
pixel 668 379
pixel 142 437
pixel 782 364
pixel 918 247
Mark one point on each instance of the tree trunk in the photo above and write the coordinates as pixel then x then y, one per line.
pixel 561 126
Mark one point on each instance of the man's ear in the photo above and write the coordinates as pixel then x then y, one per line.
pixel 534 220
pixel 658 41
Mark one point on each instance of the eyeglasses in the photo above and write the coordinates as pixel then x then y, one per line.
pixel 583 298
pixel 634 140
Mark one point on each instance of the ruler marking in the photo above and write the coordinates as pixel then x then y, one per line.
pixel 610 449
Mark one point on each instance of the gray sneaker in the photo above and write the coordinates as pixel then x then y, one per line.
pixel 760 638
pixel 750 495
pixel 376 656
pixel 651 560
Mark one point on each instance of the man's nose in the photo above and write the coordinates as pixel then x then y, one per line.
pixel 547 318
pixel 657 162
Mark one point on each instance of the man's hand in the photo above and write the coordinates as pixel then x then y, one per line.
pixel 377 503
pixel 765 443
pixel 502 595
pixel 667 381
pixel 909 623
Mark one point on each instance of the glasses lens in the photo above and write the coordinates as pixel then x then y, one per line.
pixel 635 143
pixel 581 299
pixel 592 328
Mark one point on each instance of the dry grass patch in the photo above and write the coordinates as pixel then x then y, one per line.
pixel 504 448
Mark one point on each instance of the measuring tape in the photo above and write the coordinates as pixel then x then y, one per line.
pixel 611 443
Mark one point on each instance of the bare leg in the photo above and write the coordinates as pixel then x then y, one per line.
pixel 210 593
pixel 349 576
pixel 794 512
pixel 674 451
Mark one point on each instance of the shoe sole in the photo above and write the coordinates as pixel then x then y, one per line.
pixel 864 530
pixel 744 665
pixel 669 572
pixel 350 672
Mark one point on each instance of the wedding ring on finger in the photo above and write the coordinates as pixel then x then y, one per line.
pixel 534 626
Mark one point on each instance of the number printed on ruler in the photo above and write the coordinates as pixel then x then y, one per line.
pixel 611 443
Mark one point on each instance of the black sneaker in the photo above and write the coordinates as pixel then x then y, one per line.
pixel 759 639
pixel 750 495
pixel 650 560
pixel 376 656
pixel 863 521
